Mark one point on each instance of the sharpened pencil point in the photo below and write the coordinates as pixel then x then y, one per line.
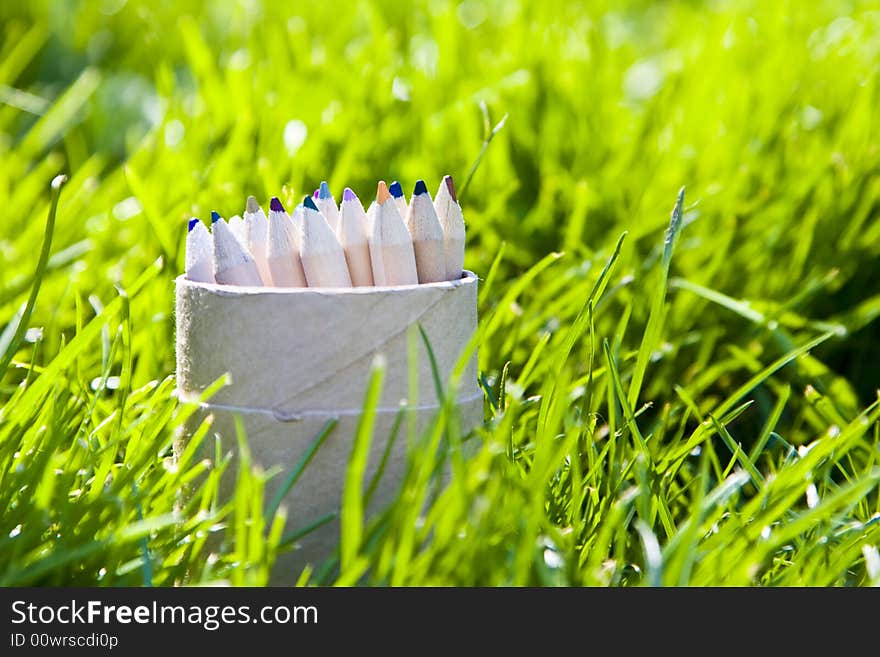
pixel 309 203
pixel 348 195
pixel 395 189
pixel 192 224
pixel 451 187
pixel 252 205
pixel 382 193
pixel 324 190
pixel 316 193
pixel 275 205
pixel 215 217
pixel 420 188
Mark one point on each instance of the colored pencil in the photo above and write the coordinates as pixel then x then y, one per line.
pixel 199 253
pixel 391 248
pixel 396 192
pixel 282 253
pixel 236 225
pixel 327 206
pixel 427 236
pixel 322 256
pixel 452 221
pixel 233 263
pixel 354 238
pixel 256 230
pixel 320 244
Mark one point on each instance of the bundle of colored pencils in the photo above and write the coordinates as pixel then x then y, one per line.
pixel 322 245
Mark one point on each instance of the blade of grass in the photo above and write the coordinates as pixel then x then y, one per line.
pixel 14 332
pixel 352 512
pixel 658 306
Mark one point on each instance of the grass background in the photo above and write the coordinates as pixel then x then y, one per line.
pixel 702 415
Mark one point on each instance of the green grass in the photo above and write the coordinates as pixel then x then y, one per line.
pixel 695 406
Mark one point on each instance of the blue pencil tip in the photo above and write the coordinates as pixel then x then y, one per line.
pixel 395 189
pixel 421 188
pixel 215 217
pixel 192 224
pixel 324 190
pixel 309 203
pixel 275 205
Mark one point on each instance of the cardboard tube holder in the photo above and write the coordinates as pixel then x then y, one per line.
pixel 299 357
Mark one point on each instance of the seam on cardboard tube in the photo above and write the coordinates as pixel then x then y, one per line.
pixel 369 349
pixel 296 416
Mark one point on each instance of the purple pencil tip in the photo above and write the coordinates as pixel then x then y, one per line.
pixel 324 190
pixel 275 205
pixel 316 193
pixel 309 203
pixel 192 224
pixel 395 189
pixel 348 195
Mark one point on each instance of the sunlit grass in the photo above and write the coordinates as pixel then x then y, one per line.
pixel 699 411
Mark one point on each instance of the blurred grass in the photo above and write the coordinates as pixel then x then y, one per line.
pixel 746 455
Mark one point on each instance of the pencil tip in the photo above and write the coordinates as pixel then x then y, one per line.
pixel 316 193
pixel 382 193
pixel 215 217
pixel 252 206
pixel 324 190
pixel 395 189
pixel 309 203
pixel 451 187
pixel 420 188
pixel 192 224
pixel 348 195
pixel 275 205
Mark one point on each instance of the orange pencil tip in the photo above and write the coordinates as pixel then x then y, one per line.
pixel 382 193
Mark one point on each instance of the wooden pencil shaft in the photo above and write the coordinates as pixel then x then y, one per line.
pixel 233 263
pixel 322 256
pixel 199 254
pixel 391 249
pixel 245 274
pixel 354 238
pixel 283 259
pixel 256 230
pixel 326 270
pixel 360 267
pixel 327 207
pixel 297 220
pixel 452 221
pixel 237 228
pixel 428 240
pixel 402 207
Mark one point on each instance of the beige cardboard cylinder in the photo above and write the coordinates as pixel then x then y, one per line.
pixel 298 357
